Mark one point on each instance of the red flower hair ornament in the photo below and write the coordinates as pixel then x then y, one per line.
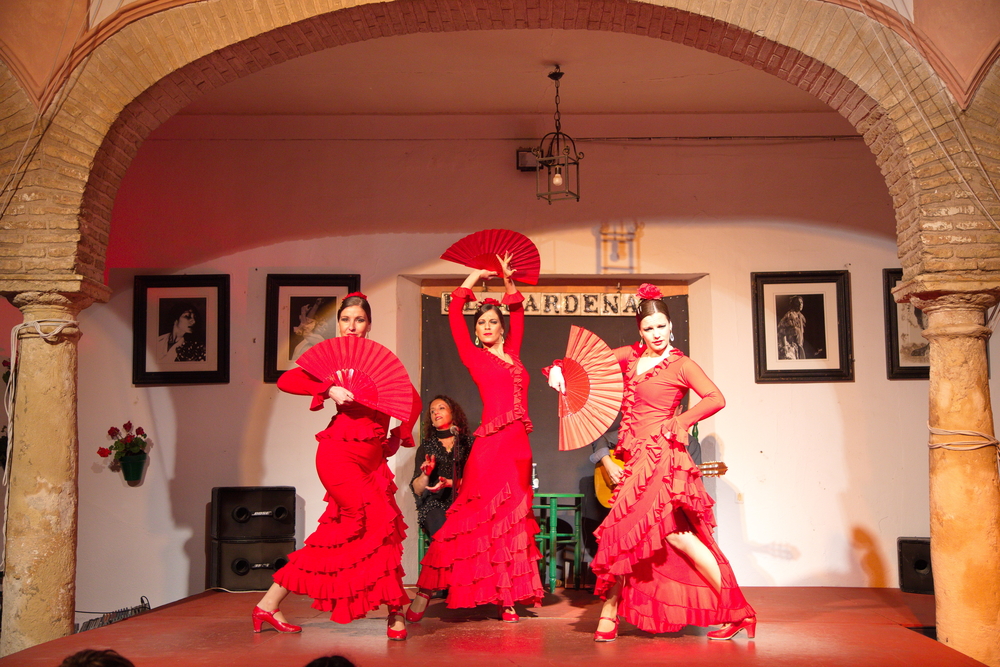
pixel 647 291
pixel 490 301
pixel 357 294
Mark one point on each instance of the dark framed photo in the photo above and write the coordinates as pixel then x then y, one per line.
pixel 907 352
pixel 300 311
pixel 180 329
pixel 802 327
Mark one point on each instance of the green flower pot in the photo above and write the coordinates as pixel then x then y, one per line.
pixel 132 465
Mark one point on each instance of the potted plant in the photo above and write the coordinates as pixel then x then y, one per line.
pixel 129 450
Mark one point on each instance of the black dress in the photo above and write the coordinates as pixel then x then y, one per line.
pixel 431 505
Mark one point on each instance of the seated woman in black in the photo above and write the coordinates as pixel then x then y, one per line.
pixel 440 459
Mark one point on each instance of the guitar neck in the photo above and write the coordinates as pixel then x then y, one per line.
pixel 713 468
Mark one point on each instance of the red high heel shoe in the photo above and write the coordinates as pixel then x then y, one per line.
pixel 749 624
pixel 610 635
pixel 415 616
pixel 508 616
pixel 259 616
pixel 395 635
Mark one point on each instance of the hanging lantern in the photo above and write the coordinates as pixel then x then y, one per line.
pixel 558 174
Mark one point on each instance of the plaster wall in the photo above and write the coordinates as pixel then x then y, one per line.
pixel 823 477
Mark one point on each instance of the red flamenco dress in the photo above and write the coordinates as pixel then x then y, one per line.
pixel 661 492
pixel 351 564
pixel 485 553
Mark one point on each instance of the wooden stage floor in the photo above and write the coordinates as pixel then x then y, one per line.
pixel 796 626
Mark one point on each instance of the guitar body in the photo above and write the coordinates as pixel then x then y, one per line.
pixel 604 488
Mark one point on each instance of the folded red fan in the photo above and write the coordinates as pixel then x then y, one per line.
pixel 480 250
pixel 367 369
pixel 594 389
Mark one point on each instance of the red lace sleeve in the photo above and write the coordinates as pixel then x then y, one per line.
pixel 298 381
pixel 515 323
pixel 711 398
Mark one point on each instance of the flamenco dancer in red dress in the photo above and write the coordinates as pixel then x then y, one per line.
pixel 657 565
pixel 351 564
pixel 485 552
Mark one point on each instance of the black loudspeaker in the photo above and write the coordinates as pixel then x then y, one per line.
pixel 915 573
pixel 253 512
pixel 247 566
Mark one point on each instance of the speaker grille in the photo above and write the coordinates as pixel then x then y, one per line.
pixel 915 572
pixel 253 512
pixel 247 566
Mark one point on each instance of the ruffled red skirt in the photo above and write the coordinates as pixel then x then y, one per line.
pixel 351 564
pixel 485 553
pixel 662 493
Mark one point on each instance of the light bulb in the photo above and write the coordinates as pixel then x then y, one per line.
pixel 557 179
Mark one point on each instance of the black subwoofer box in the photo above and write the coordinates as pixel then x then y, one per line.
pixel 915 573
pixel 253 512
pixel 247 566
pixel 251 533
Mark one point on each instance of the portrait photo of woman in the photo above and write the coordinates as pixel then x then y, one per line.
pixel 181 331
pixel 310 323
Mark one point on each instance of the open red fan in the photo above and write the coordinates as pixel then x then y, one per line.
pixel 480 250
pixel 368 370
pixel 594 389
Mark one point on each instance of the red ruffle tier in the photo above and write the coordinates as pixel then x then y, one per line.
pixel 351 564
pixel 661 590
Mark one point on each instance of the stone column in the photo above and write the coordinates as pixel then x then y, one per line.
pixel 964 483
pixel 39 588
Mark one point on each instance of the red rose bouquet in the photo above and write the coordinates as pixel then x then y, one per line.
pixel 125 443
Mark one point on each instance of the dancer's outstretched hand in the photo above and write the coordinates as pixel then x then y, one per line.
pixel 505 265
pixel 556 379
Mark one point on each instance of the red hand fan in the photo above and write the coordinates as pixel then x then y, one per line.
pixel 594 389
pixel 480 250
pixel 368 370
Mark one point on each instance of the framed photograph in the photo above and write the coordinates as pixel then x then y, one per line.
pixel 180 329
pixel 300 311
pixel 802 327
pixel 907 352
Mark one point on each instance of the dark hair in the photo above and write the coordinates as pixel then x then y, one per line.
pixel 96 658
pixel 487 307
pixel 458 419
pixel 181 307
pixel 649 307
pixel 355 301
pixel 331 661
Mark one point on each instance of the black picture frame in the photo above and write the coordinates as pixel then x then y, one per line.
pixel 802 326
pixel 290 298
pixel 164 305
pixel 907 352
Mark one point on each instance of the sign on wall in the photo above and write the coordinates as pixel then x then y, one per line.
pixel 593 304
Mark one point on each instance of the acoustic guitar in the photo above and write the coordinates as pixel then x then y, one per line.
pixel 604 488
